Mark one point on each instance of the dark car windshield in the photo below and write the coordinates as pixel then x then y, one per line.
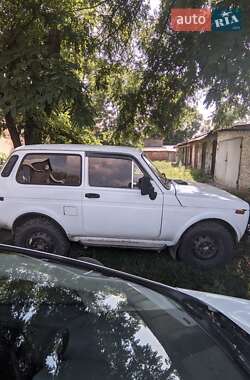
pixel 59 322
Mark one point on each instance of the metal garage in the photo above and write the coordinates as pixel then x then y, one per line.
pixel 227 168
pixel 232 166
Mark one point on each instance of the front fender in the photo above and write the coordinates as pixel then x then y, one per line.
pixel 179 223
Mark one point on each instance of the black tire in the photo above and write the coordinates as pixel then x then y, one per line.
pixel 207 245
pixel 42 234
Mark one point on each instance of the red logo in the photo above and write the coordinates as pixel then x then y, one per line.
pixel 191 19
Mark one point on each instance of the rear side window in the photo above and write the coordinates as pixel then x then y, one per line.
pixel 9 166
pixel 50 169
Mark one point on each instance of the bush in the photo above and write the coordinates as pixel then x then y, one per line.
pixel 180 172
pixel 3 158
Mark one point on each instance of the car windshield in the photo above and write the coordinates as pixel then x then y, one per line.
pixel 60 322
pixel 161 176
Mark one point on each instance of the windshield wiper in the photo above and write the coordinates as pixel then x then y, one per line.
pixel 234 339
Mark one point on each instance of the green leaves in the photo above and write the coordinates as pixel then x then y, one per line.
pixel 114 69
pixel 48 49
pixel 218 62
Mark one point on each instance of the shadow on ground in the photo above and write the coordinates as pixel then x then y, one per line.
pixel 234 280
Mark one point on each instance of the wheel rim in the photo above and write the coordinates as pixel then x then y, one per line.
pixel 40 241
pixel 205 247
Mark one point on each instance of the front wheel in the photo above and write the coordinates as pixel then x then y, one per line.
pixel 207 245
pixel 42 234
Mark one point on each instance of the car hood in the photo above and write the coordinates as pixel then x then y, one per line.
pixel 236 309
pixel 204 195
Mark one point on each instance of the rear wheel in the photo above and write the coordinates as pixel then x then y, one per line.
pixel 207 245
pixel 43 235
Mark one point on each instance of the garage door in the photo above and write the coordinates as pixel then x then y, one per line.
pixel 228 162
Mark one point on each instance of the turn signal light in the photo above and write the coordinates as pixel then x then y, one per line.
pixel 240 211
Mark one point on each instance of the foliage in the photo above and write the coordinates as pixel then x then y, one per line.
pixel 190 125
pixel 116 71
pixel 60 129
pixel 3 158
pixel 47 47
pixel 217 62
pixel 156 97
pixel 180 172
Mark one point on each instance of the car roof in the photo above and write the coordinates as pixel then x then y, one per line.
pixel 80 148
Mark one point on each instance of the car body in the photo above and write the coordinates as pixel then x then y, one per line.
pixel 114 196
pixel 63 318
pixel 237 309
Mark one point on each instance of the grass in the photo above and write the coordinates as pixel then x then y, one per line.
pixel 180 172
pixel 234 280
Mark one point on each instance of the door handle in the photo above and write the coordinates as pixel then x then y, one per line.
pixel 92 195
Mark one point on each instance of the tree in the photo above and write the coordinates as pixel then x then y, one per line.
pixel 47 47
pixel 218 62
pixel 191 124
pixel 109 71
pixel 149 100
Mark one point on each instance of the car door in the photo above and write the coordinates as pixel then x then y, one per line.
pixel 113 206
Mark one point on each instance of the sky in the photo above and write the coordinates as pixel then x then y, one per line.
pixel 154 4
pixel 206 112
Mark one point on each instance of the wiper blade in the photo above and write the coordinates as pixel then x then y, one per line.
pixel 231 336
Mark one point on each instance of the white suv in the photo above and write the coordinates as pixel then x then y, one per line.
pixel 114 196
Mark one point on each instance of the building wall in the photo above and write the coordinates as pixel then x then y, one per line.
pixel 161 155
pixel 199 155
pixel 244 180
pixel 191 154
pixel 153 142
pixel 186 155
pixel 209 154
pixel 180 155
pixel 240 158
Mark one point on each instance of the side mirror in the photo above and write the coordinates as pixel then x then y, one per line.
pixel 147 188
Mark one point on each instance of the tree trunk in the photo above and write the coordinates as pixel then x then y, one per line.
pixel 11 126
pixel 32 132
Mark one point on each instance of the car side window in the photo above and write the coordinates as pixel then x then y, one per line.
pixel 50 169
pixel 115 172
pixel 9 166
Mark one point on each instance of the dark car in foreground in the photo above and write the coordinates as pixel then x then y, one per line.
pixel 62 318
